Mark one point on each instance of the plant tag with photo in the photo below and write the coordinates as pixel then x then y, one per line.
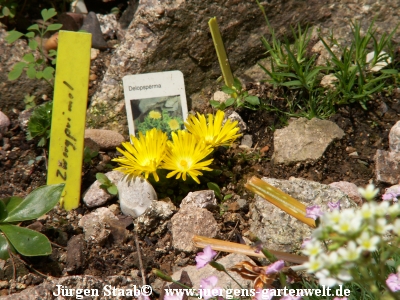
pixel 155 100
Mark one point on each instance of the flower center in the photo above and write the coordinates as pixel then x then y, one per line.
pixel 184 163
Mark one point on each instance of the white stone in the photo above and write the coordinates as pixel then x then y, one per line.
pixel 202 199
pixel 135 195
pixel 394 138
pixel 380 64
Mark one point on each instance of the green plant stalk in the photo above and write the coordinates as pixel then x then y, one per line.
pixel 220 49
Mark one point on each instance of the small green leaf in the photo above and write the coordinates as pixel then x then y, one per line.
pixel 17 70
pixel 39 74
pixel 32 44
pixel 102 178
pixel 237 84
pixel 30 35
pixel 31 72
pixel 253 100
pixel 213 186
pixel 215 103
pixel 113 190
pixel 229 196
pixel 4 255
pixel 36 204
pixel 6 11
pixel 230 101
pixel 48 73
pixel 228 90
pixel 54 27
pixel 26 241
pixel 48 14
pixel 29 57
pixel 13 35
pixel 33 27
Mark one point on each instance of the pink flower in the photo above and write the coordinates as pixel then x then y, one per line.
pixel 314 212
pixel 275 267
pixel 337 298
pixel 203 258
pixel 393 282
pixel 389 196
pixel 305 242
pixel 334 205
pixel 208 289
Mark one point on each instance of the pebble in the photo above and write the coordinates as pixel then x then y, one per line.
pixel 94 53
pixel 4 122
pixel 202 199
pixel 96 196
pixel 135 195
pixel 394 138
pixel 247 140
pixel 105 139
pixel 190 221
pixel 91 24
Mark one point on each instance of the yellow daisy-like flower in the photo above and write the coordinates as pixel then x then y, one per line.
pixel 213 132
pixel 173 124
pixel 184 156
pixel 154 114
pixel 144 155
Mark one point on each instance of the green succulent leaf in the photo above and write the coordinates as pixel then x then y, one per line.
pixel 12 202
pixel 4 255
pixel 237 84
pixel 13 35
pixel 213 186
pixel 48 14
pixel 102 178
pixel 113 190
pixel 26 241
pixel 215 103
pixel 36 204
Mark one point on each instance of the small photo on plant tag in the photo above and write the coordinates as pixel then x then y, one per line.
pixel 155 100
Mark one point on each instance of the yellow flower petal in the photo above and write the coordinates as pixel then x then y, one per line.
pixel 144 156
pixel 184 156
pixel 213 132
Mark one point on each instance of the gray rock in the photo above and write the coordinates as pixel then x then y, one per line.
pixel 202 199
pixel 109 26
pixel 190 221
pixel 234 116
pixel 224 281
pixel 95 225
pixel 155 219
pixel 304 140
pixel 75 256
pixel 350 189
pixel 387 166
pixel 46 289
pixel 105 139
pixel 4 122
pixel 220 96
pixel 247 140
pixel 12 93
pixel 91 24
pixel 280 231
pixel 135 195
pixel 394 138
pixel 96 196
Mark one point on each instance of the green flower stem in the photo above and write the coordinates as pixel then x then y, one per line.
pixel 220 49
pixel 233 279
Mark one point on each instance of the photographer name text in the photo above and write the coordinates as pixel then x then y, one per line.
pixel 108 290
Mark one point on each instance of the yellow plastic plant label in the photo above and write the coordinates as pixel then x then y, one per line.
pixel 69 114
